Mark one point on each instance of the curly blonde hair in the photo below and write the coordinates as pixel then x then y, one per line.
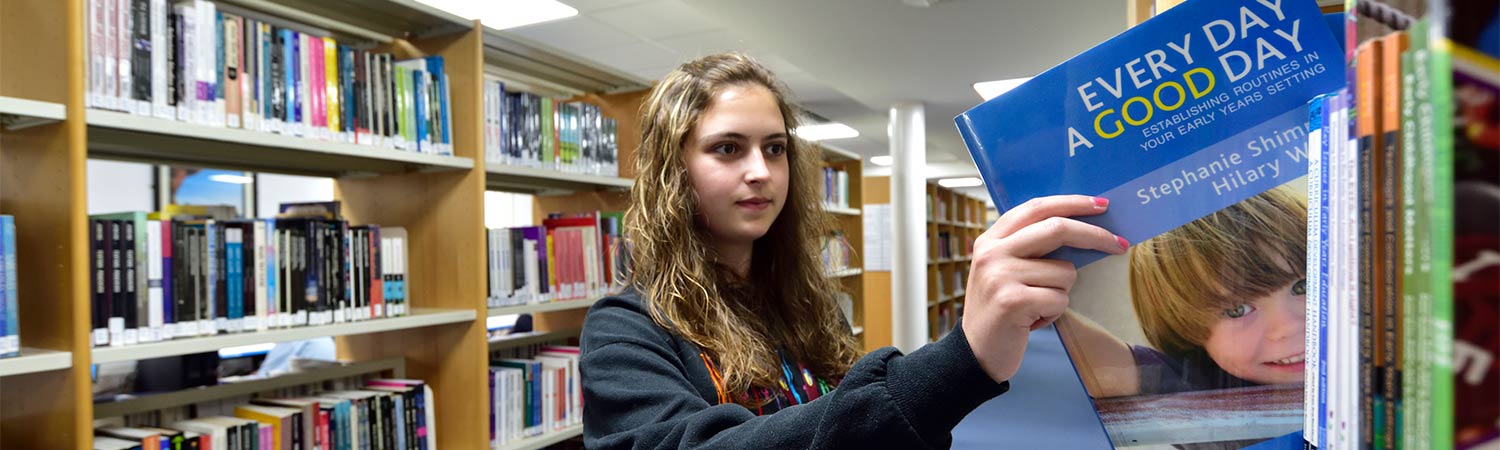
pixel 786 302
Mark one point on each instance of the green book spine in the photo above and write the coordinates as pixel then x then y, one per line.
pixel 1440 68
pixel 1409 204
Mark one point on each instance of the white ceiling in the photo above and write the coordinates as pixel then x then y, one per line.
pixel 848 60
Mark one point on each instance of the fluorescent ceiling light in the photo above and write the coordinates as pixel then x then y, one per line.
pixel 231 179
pixel 825 131
pixel 960 182
pixel 883 160
pixel 502 14
pixel 992 89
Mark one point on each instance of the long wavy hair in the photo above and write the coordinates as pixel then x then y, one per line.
pixel 786 302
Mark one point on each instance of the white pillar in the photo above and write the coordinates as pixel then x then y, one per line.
pixel 908 139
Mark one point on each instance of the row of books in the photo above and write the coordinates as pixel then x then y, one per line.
pixel 946 320
pixel 937 207
pixel 199 62
pixel 159 276
pixel 524 129
pixel 1402 249
pixel 835 187
pixel 837 254
pixel 386 414
pixel 948 246
pixel 533 396
pixel 564 258
pixel 10 324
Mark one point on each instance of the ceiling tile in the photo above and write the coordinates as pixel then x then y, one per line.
pixel 703 44
pixel 634 56
pixel 657 19
pixel 587 6
pixel 653 73
pixel 575 34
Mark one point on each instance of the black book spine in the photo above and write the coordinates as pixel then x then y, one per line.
pixel 277 77
pixel 388 67
pixel 221 274
pixel 201 290
pixel 177 61
pixel 170 48
pixel 99 251
pixel 517 259
pixel 128 276
pixel 117 294
pixel 140 50
pixel 249 260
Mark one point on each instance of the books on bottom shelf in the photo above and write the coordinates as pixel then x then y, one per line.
pixel 159 276
pixel 564 258
pixel 382 413
pixel 199 63
pixel 535 396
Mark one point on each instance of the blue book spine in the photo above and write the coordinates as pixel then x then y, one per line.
pixel 1324 298
pixel 263 73
pixel 288 74
pixel 440 74
pixel 346 87
pixel 1314 283
pixel 218 44
pixel 419 111
pixel 536 394
pixel 168 309
pixel 234 273
pixel 273 301
pixel 211 271
pixel 10 328
pixel 294 77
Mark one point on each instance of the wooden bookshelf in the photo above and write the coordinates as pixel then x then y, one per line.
pixel 848 220
pixel 559 305
pixel 392 367
pixel 958 217
pixel 47 135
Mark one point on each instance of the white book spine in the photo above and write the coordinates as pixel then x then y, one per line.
pixel 159 48
pixel 155 285
pixel 1310 349
pixel 122 54
pixel 262 254
pixel 97 22
pixel 111 59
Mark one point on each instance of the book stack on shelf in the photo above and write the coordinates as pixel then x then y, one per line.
pixel 530 130
pixel 216 65
pixel 181 273
pixel 838 255
pixel 563 259
pixel 535 398
pixel 351 412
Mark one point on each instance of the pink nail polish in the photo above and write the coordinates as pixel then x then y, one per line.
pixel 1101 202
pixel 1124 244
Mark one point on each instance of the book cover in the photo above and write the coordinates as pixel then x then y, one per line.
pixel 1194 126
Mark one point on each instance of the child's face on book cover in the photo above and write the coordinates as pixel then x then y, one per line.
pixel 1261 340
pixel 737 161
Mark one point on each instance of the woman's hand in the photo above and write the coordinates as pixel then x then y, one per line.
pixel 1012 290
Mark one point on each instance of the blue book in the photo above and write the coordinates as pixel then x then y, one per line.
pixel 440 74
pixel 168 308
pixel 273 294
pixel 234 263
pixel 1194 127
pixel 11 329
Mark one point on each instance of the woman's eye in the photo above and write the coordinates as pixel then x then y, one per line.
pixel 776 149
pixel 1300 287
pixel 725 149
pixel 1239 311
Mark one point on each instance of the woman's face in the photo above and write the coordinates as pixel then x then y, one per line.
pixel 1261 340
pixel 737 163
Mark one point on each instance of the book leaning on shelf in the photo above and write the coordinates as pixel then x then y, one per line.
pixel 529 130
pixel 203 63
pixel 564 258
pixel 381 413
pixel 1193 125
pixel 183 272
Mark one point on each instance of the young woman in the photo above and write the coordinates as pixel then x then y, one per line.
pixel 729 337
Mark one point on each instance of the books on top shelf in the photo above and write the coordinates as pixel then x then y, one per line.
pixel 536 395
pixel 1193 125
pixel 183 273
pixel 528 130
pixel 203 63
pixel 380 413
pixel 564 258
pixel 10 324
pixel 835 187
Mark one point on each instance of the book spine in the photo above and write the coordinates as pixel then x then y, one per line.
pixel 154 282
pixel 229 83
pixel 331 87
pixel 140 56
pixel 169 280
pixel 1440 235
pixel 124 34
pixel 161 47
